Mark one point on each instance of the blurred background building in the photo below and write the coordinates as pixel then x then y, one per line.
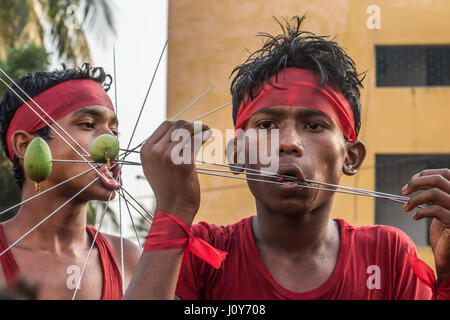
pixel 404 48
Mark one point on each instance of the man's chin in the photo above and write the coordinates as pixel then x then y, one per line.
pixel 285 206
pixel 97 192
pixel 103 193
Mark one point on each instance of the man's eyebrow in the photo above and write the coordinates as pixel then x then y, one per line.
pixel 90 111
pixel 95 113
pixel 270 111
pixel 312 112
pixel 301 112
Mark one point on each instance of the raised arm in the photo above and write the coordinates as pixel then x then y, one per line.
pixel 434 195
pixel 177 191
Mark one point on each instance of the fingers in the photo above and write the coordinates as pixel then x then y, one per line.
pixel 176 138
pixel 434 211
pixel 191 128
pixel 434 195
pixel 445 172
pixel 159 133
pixel 430 179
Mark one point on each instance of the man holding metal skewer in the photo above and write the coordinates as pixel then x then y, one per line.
pixel 306 87
pixel 77 107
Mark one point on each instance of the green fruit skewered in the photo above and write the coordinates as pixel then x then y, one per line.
pixel 38 161
pixel 104 148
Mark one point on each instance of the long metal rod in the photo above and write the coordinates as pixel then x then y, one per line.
pixel 266 173
pixel 48 217
pixel 82 161
pixel 120 206
pixel 191 104
pixel 92 246
pixel 133 150
pixel 122 195
pixel 122 267
pixel 45 191
pixel 301 186
pixel 146 211
pixel 211 112
pixel 115 80
pixel 148 91
pixel 140 213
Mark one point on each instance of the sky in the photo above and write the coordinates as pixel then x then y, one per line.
pixel 141 27
pixel 141 35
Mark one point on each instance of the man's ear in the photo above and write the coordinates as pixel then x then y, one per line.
pixel 232 155
pixel 356 152
pixel 19 142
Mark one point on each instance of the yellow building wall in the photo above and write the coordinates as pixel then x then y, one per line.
pixel 209 38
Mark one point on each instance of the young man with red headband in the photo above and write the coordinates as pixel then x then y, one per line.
pixel 52 257
pixel 307 88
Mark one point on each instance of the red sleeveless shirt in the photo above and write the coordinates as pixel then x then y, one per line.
pixel 112 280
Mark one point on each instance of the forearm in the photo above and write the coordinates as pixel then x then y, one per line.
pixel 156 276
pixel 442 276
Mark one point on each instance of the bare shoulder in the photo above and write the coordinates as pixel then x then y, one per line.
pixel 131 251
pixel 131 255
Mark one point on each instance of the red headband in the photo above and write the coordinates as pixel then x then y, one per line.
pixel 57 101
pixel 301 90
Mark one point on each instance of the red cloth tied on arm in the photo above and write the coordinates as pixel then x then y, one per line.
pixel 299 87
pixel 170 232
pixel 425 274
pixel 57 102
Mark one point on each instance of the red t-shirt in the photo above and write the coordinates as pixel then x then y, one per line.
pixel 372 264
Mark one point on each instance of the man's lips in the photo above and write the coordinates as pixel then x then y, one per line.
pixel 109 178
pixel 291 172
pixel 292 176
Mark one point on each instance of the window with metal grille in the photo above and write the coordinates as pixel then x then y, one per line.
pixel 412 65
pixel 393 171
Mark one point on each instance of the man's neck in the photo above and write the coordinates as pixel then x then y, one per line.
pixel 295 235
pixel 65 229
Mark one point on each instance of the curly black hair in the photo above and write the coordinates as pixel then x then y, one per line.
pixel 295 48
pixel 34 84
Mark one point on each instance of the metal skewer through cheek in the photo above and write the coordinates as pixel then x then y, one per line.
pixel 392 198
pixel 306 184
pixel 309 181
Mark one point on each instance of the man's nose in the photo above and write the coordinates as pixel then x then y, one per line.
pixel 290 143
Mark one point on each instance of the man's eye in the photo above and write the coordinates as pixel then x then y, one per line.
pixel 88 125
pixel 266 125
pixel 314 125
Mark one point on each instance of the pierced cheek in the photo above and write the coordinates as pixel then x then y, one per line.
pixel 329 169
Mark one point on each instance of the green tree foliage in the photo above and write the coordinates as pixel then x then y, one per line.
pixel 23 60
pixel 10 193
pixel 19 61
pixel 63 22
pixel 95 211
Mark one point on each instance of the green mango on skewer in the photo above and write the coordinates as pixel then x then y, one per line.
pixel 38 161
pixel 104 148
